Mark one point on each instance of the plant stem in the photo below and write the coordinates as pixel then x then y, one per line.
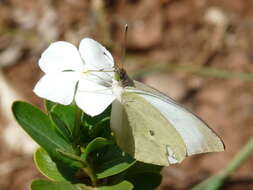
pixel 86 166
pixel 215 182
pixel 76 129
pixel 237 161
pixel 72 156
pixel 191 68
pixel 88 170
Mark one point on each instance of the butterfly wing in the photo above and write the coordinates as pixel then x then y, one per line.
pixel 142 131
pixel 196 134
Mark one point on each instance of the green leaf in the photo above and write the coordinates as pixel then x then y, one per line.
pixel 50 169
pixel 124 185
pixel 61 127
pixel 98 126
pixel 41 184
pixel 101 129
pixel 140 167
pixel 38 125
pixel 94 120
pixel 111 161
pixel 49 105
pixel 94 145
pixel 64 117
pixel 144 176
pixel 145 181
pixel 66 114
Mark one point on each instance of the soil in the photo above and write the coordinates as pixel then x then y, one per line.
pixel 178 34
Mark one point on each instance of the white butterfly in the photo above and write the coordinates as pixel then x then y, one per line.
pixel 149 125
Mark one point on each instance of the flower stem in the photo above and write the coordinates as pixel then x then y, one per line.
pixel 239 158
pixel 88 170
pixel 76 130
pixel 86 166
pixel 215 182
pixel 76 136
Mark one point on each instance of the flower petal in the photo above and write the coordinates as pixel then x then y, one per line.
pixel 60 56
pixel 93 98
pixel 95 55
pixel 57 87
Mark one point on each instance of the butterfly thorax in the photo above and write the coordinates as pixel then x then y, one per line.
pixel 123 78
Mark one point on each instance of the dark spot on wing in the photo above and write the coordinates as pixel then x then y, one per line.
pixel 151 132
pixel 106 54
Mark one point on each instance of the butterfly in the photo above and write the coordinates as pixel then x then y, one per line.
pixel 156 129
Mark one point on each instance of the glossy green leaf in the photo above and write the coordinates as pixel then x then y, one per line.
pixel 41 184
pixel 98 126
pixel 50 169
pixel 38 125
pixel 49 105
pixel 66 114
pixel 140 167
pixel 61 127
pixel 94 145
pixel 111 161
pixel 101 129
pixel 145 181
pixel 96 119
pixel 124 185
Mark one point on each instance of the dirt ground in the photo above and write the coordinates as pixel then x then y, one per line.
pixel 178 34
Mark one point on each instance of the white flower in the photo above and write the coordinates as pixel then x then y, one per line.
pixel 77 74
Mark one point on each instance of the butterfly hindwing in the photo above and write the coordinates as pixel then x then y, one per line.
pixel 146 134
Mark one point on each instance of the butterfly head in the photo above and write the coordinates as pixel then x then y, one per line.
pixel 123 78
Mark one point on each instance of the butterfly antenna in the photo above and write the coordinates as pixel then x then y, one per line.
pixel 124 43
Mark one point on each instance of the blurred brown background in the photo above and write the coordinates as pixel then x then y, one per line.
pixel 188 49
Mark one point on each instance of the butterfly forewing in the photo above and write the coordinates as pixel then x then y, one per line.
pixel 198 137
